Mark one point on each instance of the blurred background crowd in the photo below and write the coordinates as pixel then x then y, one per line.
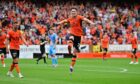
pixel 35 17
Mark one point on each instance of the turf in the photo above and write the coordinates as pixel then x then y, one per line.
pixel 87 71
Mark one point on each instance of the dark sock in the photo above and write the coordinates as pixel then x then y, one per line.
pixel 44 59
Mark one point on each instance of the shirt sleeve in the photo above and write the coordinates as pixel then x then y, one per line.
pixel 81 17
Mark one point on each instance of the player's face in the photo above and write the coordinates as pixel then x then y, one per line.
pixel 15 27
pixel 73 12
pixel 132 35
pixel 105 35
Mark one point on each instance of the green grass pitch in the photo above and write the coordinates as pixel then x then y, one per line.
pixel 86 71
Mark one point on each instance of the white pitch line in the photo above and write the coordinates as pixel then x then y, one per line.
pixel 124 70
pixel 99 71
pixel 121 70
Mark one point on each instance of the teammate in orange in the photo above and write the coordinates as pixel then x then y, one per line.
pixel 76 32
pixel 2 47
pixel 14 37
pixel 134 49
pixel 104 45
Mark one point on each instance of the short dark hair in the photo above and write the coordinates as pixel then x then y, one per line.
pixel 74 8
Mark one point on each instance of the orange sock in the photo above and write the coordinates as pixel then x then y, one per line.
pixel 136 59
pixel 104 55
pixel 2 60
pixel 73 62
pixel 132 58
pixel 17 68
pixel 12 67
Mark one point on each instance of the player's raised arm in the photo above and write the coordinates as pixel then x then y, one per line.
pixel 26 43
pixel 61 22
pixel 7 44
pixel 88 21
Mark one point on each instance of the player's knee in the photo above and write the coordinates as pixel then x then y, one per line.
pixel 136 57
pixel 15 62
pixel 73 58
pixel 104 53
pixel 71 39
pixel 76 51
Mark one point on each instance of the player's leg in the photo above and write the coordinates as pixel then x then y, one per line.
pixel 2 52
pixel 70 45
pixel 15 56
pixel 136 58
pixel 3 57
pixel 16 61
pixel 76 42
pixel 55 57
pixel 2 60
pixel 132 57
pixel 73 61
pixel 52 56
pixel 39 58
pixel 9 73
pixel 104 53
pixel 53 60
pixel 44 57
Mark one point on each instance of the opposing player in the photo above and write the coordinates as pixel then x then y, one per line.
pixel 76 32
pixel 43 40
pixel 134 50
pixel 52 49
pixel 2 47
pixel 14 37
pixel 104 45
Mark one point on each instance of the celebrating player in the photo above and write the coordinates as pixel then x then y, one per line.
pixel 134 49
pixel 76 32
pixel 52 49
pixel 14 37
pixel 2 47
pixel 104 45
pixel 42 48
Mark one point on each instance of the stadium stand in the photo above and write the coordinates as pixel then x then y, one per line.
pixel 36 17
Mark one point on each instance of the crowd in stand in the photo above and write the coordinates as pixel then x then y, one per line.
pixel 35 19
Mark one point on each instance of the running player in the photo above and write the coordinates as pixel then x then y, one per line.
pixel 52 49
pixel 2 47
pixel 134 49
pixel 104 45
pixel 76 32
pixel 42 48
pixel 14 37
